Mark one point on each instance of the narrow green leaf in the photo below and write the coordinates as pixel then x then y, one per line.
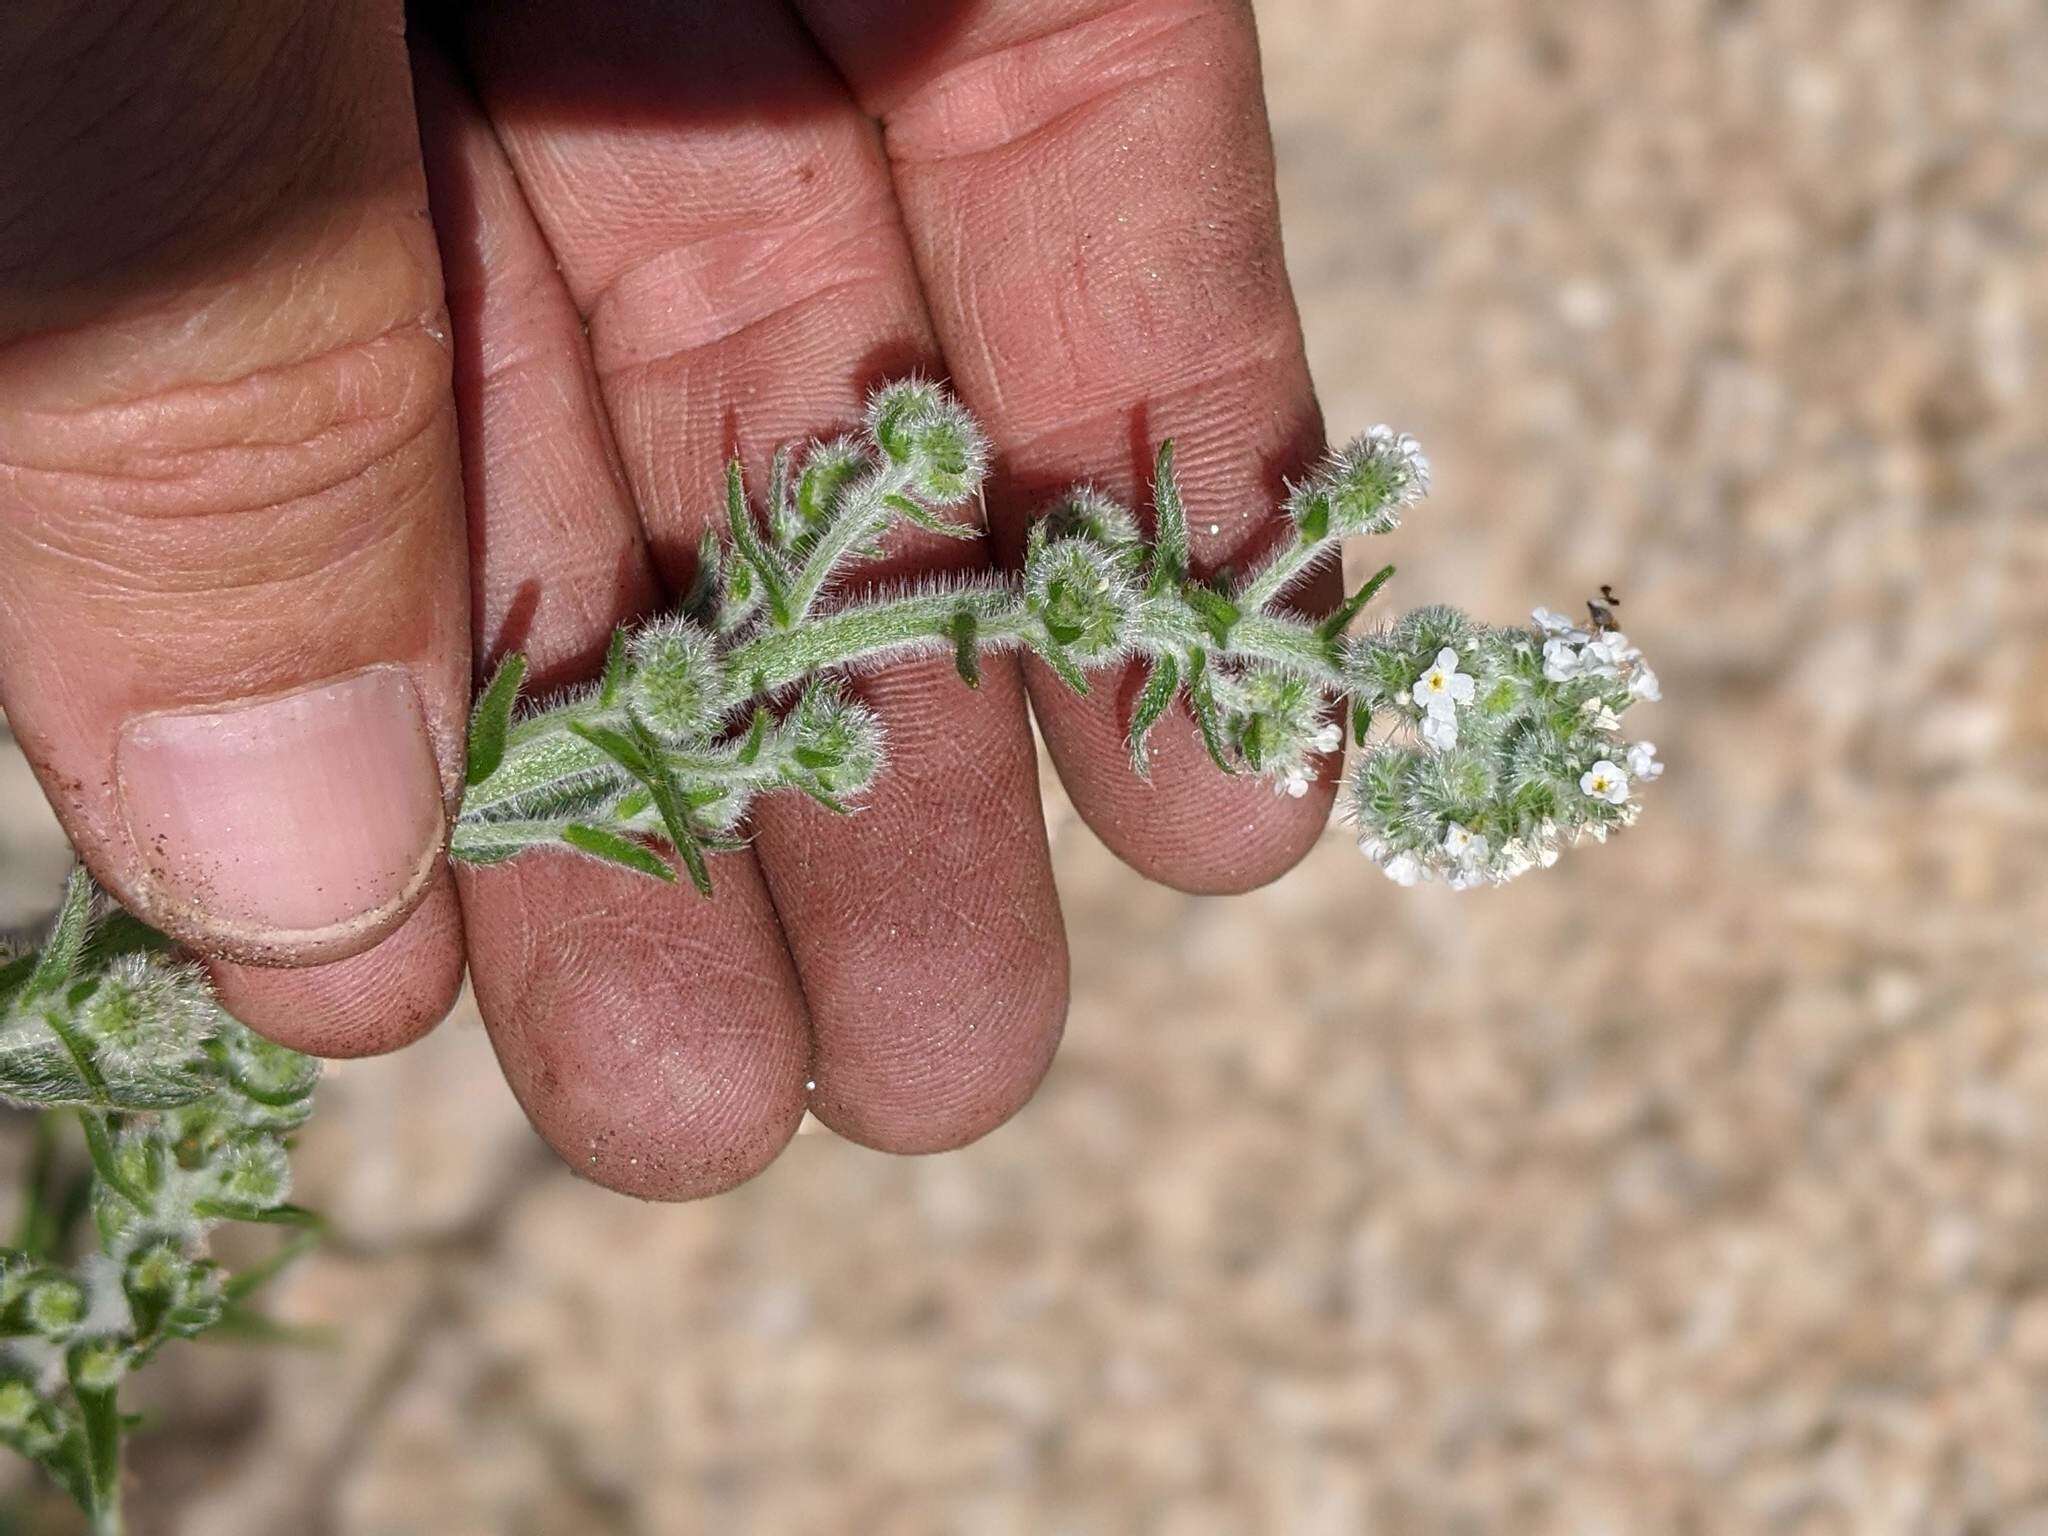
pixel 967 647
pixel 1352 606
pixel 1219 615
pixel 928 520
pixel 60 952
pixel 674 809
pixel 100 1147
pixel 617 664
pixel 492 718
pixel 616 745
pixel 614 849
pixel 1170 523
pixel 1203 700
pixel 1315 522
pixel 705 602
pixel 1153 703
pixel 263 1215
pixel 1361 722
pixel 692 855
pixel 784 525
pixel 246 1284
pixel 1054 655
pixel 836 807
pixel 745 539
pixel 757 734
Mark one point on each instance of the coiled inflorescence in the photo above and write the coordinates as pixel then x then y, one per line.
pixel 1504 744
pixel 186 1116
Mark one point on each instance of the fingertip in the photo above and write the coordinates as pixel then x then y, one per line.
pixel 367 1004
pixel 936 1054
pixel 655 1039
pixel 1188 825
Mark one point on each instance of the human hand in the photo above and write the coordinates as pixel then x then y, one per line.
pixel 240 616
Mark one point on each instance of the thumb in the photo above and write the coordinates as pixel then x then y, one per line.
pixel 233 590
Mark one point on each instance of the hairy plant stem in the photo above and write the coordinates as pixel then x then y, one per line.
pixel 1286 566
pixel 548 764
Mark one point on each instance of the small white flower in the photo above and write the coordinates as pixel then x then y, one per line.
pixel 1605 655
pixel 1293 783
pixel 1404 869
pixel 1600 717
pixel 1561 662
pixel 1443 687
pixel 1604 781
pixel 1642 761
pixel 1328 739
pixel 1467 847
pixel 1440 729
pixel 1552 622
pixel 1644 685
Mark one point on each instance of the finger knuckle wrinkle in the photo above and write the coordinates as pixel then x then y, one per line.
pixel 342 424
pixel 999 99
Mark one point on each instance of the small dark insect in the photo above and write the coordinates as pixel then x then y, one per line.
pixel 1602 609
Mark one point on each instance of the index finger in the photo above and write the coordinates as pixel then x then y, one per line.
pixel 1089 190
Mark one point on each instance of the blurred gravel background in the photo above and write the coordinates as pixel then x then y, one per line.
pixel 1699 1186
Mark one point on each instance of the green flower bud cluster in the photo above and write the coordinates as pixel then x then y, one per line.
pixel 186 1116
pixel 747 690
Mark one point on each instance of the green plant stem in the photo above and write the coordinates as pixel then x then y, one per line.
pixel 100 1422
pixel 1283 568
pixel 863 519
pixel 1292 644
pixel 776 658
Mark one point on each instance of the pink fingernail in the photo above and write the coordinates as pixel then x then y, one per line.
pixel 285 825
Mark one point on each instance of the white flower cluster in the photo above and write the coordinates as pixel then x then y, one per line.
pixel 1294 779
pixel 1401 450
pixel 1570 651
pixel 1515 749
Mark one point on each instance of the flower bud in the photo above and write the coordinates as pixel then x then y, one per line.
pixel 147 1016
pixel 839 749
pixel 924 429
pixel 827 470
pixel 264 1071
pixel 53 1306
pixel 1082 594
pixel 1085 513
pixel 1274 724
pixel 99 1365
pixel 250 1171
pixel 678 686
pixel 27 1422
pixel 1363 488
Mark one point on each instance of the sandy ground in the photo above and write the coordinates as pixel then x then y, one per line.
pixel 1700 1186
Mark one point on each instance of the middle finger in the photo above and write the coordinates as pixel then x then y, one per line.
pixel 723 216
